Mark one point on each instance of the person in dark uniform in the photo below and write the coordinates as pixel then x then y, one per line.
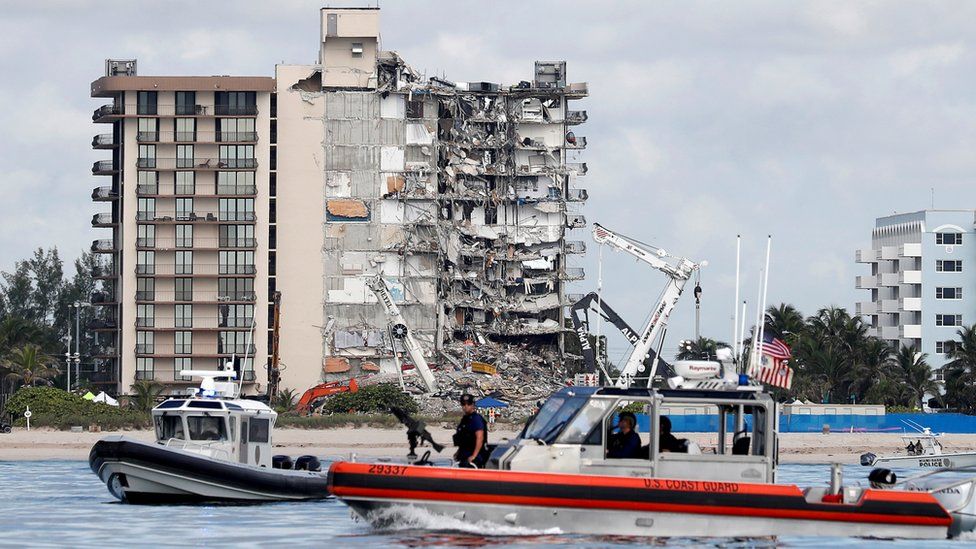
pixel 668 442
pixel 625 443
pixel 471 437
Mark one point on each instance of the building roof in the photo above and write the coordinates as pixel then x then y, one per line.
pixel 106 86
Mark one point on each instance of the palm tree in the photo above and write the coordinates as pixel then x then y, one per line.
pixel 917 374
pixel 869 367
pixel 284 401
pixel 787 321
pixel 702 348
pixel 960 371
pixel 144 394
pixel 29 365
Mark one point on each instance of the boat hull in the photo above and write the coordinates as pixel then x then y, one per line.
pixel 943 461
pixel 600 505
pixel 137 472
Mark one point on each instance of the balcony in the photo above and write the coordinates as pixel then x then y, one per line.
pixel 170 216
pixel 108 113
pixel 890 280
pixel 200 164
pixel 577 195
pixel 572 273
pixel 235 322
pixel 147 137
pixel 145 375
pixel 235 110
pixel 574 247
pixel 103 141
pixel 572 299
pixel 575 221
pixel 103 246
pixel 104 219
pixel 236 349
pixel 196 297
pixel 889 253
pixel 889 333
pixel 104 272
pixel 911 304
pixel 866 282
pixel 866 308
pixel 104 167
pixel 103 324
pixel 575 168
pixel 576 90
pixel 910 277
pixel 890 306
pixel 866 255
pixel 104 194
pixel 910 331
pixel 575 117
pixel 103 298
pixel 238 269
pixel 913 249
pixel 105 352
pixel 575 142
pixel 197 269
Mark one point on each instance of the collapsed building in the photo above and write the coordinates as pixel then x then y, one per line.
pixel 460 194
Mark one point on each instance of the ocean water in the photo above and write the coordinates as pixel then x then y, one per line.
pixel 62 504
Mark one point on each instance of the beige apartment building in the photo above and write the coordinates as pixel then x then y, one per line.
pixel 460 195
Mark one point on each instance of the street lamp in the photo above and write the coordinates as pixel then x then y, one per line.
pixel 77 355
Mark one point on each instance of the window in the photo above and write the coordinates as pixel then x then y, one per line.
pixel 185 182
pixel 357 49
pixel 146 236
pixel 184 343
pixel 146 209
pixel 235 183
pixel 145 343
pixel 237 156
pixel 147 156
pixel 145 262
pixel 235 289
pixel 206 427
pixel 948 265
pixel 236 262
pixel 234 343
pixel 186 102
pixel 235 103
pixel 146 102
pixel 236 316
pixel 181 363
pixel 943 347
pixel 147 182
pixel 237 236
pixel 236 129
pixel 948 239
pixel 144 367
pixel 184 236
pixel 184 262
pixel 148 129
pixel 184 156
pixel 948 320
pixel 184 209
pixel 186 129
pixel 145 315
pixel 258 430
pixel 169 427
pixel 145 289
pixel 415 109
pixel 184 316
pixel 184 289
pixel 236 209
pixel 948 293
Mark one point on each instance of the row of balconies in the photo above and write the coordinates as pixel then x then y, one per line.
pixel 888 253
pixel 172 349
pixel 200 244
pixel 196 137
pixel 195 297
pixel 904 331
pixel 889 306
pixel 108 167
pixel 194 269
pixel 199 190
pixel 114 111
pixel 171 216
pixel 888 280
pixel 174 376
pixel 180 323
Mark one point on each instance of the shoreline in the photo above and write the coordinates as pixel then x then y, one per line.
pixel 49 444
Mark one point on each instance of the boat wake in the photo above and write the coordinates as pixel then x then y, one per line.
pixel 407 517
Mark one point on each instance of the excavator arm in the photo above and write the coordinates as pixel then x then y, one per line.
pixel 579 313
pixel 322 390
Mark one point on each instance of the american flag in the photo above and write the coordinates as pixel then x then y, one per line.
pixel 775 369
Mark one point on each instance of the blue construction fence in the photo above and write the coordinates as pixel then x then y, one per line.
pixel 840 423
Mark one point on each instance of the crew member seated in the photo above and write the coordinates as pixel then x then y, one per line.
pixel 668 442
pixel 625 443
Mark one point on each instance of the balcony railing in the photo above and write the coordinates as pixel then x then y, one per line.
pixel 196 190
pixel 575 142
pixel 103 141
pixel 103 219
pixel 575 221
pixel 238 242
pixel 575 117
pixel 572 273
pixel 577 195
pixel 145 269
pixel 236 190
pixel 103 245
pixel 101 194
pixel 107 110
pixel 196 296
pixel 102 324
pixel 178 217
pixel 237 216
pixel 102 297
pixel 103 167
pixel 236 349
pixel 235 110
pixel 145 375
pixel 103 271
pixel 235 322
pixel 575 247
pixel 145 348
pixel 238 269
pixel 197 163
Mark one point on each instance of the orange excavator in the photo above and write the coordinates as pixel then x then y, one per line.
pixel 322 390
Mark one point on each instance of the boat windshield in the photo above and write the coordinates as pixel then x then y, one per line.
pixel 553 416
pixel 168 427
pixel 206 428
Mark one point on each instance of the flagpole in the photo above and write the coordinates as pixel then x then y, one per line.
pixel 735 304
pixel 754 344
pixel 742 332
pixel 762 308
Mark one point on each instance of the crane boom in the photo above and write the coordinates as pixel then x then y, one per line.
pixel 678 270
pixel 400 330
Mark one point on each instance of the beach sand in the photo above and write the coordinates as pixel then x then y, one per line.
pixel 43 444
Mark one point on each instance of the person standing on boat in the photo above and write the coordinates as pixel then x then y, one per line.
pixel 471 436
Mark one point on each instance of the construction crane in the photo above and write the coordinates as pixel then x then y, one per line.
pixel 399 330
pixel 274 365
pixel 678 270
pixel 579 313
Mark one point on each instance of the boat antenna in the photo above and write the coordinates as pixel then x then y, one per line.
pixel 735 304
pixel 247 348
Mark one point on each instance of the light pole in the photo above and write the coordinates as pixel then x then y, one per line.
pixel 77 356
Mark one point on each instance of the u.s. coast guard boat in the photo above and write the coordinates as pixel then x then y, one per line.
pixel 210 446
pixel 559 474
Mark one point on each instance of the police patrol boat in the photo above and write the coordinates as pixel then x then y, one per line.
pixel 210 446
pixel 923 449
pixel 558 474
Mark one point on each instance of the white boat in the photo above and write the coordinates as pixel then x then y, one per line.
pixel 923 449
pixel 559 475
pixel 210 446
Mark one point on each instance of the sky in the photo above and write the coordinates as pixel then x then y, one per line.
pixel 707 119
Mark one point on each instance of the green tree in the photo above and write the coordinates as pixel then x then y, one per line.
pixel 144 395
pixel 917 374
pixel 284 401
pixel 702 348
pixel 961 370
pixel 29 366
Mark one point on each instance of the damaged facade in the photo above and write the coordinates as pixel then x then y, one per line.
pixel 459 194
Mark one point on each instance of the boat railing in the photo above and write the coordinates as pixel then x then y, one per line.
pixel 194 446
pixel 916 483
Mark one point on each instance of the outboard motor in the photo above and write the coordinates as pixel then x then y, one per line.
pixel 308 463
pixel 281 462
pixel 882 479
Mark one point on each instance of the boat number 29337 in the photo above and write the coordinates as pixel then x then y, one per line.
pixel 387 469
pixel 691 485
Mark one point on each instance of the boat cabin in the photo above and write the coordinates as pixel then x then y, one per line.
pixel 577 431
pixel 231 430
